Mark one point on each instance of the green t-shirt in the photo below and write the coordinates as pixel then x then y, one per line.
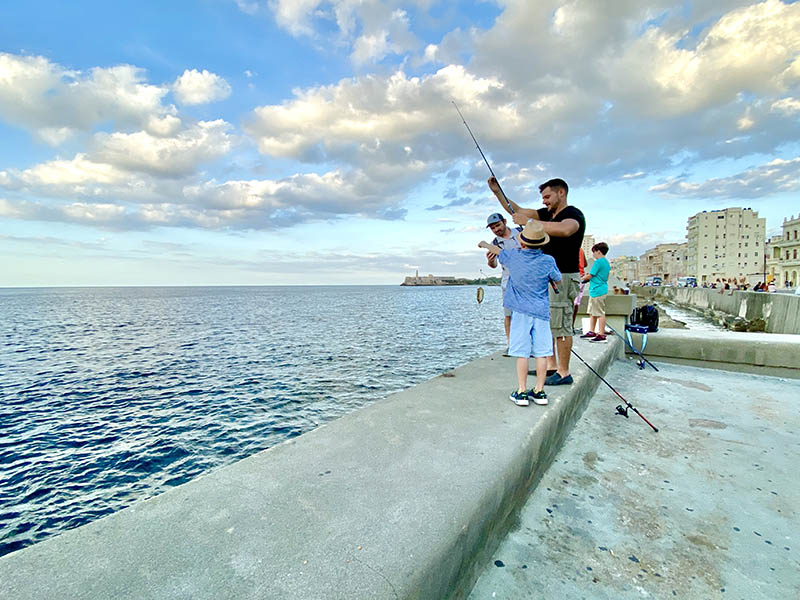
pixel 598 284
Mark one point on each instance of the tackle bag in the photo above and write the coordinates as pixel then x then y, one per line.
pixel 647 316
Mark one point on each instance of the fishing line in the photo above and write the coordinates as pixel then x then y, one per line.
pixel 480 289
pixel 620 409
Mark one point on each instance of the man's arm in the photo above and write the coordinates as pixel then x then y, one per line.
pixel 510 207
pixel 490 249
pixel 563 228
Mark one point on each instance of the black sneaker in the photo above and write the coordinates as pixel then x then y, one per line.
pixel 539 397
pixel 549 372
pixel 598 338
pixel 519 398
pixel 588 335
pixel 558 380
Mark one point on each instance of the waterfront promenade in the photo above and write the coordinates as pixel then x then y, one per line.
pixel 707 508
pixel 410 497
pixel 403 499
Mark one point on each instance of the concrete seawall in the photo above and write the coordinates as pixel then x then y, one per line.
pixel 744 352
pixel 781 312
pixel 404 499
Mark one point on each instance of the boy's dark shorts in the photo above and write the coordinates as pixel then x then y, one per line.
pixel 561 304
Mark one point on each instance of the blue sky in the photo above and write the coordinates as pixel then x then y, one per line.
pixel 314 142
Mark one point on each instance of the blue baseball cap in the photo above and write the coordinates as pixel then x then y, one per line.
pixel 494 218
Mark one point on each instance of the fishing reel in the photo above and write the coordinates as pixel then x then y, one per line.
pixel 622 410
pixel 640 364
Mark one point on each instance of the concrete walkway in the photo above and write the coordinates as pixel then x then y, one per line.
pixel 403 499
pixel 706 508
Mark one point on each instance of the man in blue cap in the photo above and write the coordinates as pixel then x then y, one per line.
pixel 505 238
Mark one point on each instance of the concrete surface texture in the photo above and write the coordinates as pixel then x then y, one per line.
pixel 766 353
pixel 780 311
pixel 706 508
pixel 403 499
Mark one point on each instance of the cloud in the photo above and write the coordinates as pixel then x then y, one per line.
pixel 196 87
pixel 172 156
pixel 456 202
pixel 372 29
pixel 719 92
pixel 773 177
pixel 54 102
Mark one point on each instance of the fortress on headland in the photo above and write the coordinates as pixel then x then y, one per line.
pixel 430 280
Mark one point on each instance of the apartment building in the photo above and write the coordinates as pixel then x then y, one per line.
pixel 784 254
pixel 586 246
pixel 668 261
pixel 625 268
pixel 726 244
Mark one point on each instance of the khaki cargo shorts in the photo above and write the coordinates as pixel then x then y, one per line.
pixel 561 304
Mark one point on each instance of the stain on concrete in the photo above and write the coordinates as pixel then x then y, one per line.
pixel 687 383
pixel 590 459
pixel 707 424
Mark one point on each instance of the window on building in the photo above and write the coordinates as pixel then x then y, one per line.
pixel 795 252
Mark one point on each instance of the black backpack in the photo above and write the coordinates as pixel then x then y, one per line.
pixel 645 315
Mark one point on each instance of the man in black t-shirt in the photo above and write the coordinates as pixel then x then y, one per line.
pixel 565 225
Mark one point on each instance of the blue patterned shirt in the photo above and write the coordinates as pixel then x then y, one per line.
pixel 530 272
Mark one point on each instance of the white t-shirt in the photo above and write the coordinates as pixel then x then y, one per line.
pixel 507 244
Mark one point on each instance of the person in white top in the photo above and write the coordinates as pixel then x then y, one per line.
pixel 505 238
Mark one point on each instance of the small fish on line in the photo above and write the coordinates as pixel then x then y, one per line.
pixel 480 295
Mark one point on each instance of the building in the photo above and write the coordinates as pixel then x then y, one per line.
pixel 626 268
pixel 726 245
pixel 586 246
pixel 785 252
pixel 668 261
pixel 430 280
pixel 772 259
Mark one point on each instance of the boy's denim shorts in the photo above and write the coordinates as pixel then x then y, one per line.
pixel 529 336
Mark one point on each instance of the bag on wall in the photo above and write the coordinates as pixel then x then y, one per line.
pixel 645 315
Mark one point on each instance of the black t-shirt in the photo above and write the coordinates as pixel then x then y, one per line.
pixel 564 249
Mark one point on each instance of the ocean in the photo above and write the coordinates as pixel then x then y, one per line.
pixel 112 395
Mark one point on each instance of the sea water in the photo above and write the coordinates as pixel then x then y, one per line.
pixel 111 395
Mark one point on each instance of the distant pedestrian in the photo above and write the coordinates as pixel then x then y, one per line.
pixel 772 287
pixel 505 239
pixel 565 224
pixel 598 290
pixel 530 273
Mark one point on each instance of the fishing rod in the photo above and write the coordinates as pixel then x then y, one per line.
pixel 620 409
pixel 634 350
pixel 483 156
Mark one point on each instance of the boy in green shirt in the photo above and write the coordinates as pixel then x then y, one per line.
pixel 598 290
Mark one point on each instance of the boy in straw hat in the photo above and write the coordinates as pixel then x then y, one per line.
pixel 530 272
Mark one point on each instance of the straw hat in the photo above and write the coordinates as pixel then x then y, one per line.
pixel 533 235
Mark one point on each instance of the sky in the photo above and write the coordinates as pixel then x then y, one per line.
pixel 314 142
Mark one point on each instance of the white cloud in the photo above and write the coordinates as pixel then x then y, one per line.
pixel 778 175
pixel 373 29
pixel 196 87
pixel 177 155
pixel 54 102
